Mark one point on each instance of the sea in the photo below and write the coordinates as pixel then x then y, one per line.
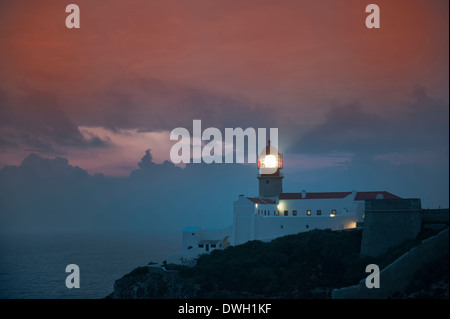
pixel 33 266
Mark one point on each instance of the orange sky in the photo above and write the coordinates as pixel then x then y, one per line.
pixel 257 49
pixel 292 58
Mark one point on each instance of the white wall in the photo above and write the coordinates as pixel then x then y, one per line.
pixel 249 225
pixel 341 205
pixel 191 236
pixel 243 221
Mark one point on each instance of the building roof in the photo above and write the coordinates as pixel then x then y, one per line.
pixel 373 195
pixel 335 195
pixel 261 200
pixel 326 195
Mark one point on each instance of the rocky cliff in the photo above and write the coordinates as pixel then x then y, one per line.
pixel 153 282
pixel 307 265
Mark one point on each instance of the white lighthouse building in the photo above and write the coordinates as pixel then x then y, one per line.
pixel 274 213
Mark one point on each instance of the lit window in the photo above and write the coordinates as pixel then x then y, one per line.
pixel 308 212
pixel 319 212
pixel 294 212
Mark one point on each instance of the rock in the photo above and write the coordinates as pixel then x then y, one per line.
pixel 153 282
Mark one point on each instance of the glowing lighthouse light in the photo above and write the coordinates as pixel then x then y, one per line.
pixel 270 161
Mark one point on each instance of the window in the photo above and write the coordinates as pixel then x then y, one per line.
pixel 281 226
pixel 319 212
pixel 333 212
pixel 294 212
pixel 213 245
pixel 286 213
pixel 307 226
pixel 200 246
pixel 308 212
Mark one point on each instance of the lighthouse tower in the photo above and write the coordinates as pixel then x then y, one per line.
pixel 270 162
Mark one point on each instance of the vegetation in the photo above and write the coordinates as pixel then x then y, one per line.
pixel 295 266
pixel 431 281
pixel 305 265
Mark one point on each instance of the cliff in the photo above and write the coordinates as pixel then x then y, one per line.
pixel 306 265
pixel 153 282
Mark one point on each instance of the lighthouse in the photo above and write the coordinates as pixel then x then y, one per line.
pixel 270 162
pixel 274 213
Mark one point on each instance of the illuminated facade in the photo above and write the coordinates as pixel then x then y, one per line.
pixel 274 213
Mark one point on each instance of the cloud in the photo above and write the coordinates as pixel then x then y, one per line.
pixel 35 120
pixel 430 183
pixel 50 195
pixel 149 104
pixel 421 124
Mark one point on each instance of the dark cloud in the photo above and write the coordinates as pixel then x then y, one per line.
pixel 430 183
pixel 36 120
pixel 421 124
pixel 149 104
pixel 50 195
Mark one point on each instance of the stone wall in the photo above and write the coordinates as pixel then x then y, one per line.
pixel 435 215
pixel 396 276
pixel 388 223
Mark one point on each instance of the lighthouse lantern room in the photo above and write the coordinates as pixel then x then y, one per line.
pixel 270 162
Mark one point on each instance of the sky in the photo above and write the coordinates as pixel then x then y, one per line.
pixel 356 108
